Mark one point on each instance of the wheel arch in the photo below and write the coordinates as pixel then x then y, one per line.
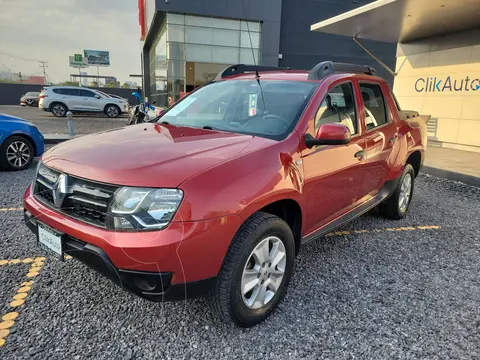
pixel 56 102
pixel 288 208
pixel 112 104
pixel 26 137
pixel 415 159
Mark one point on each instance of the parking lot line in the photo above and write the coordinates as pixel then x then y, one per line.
pixel 8 319
pixel 407 228
pixel 10 209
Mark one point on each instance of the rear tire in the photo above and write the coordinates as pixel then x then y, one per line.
pixel 58 109
pixel 261 256
pixel 16 154
pixel 396 206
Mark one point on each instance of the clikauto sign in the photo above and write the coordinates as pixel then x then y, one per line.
pixel 446 84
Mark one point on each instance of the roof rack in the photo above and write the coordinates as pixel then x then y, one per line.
pixel 326 68
pixel 242 69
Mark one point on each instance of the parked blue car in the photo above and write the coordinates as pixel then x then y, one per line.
pixel 20 142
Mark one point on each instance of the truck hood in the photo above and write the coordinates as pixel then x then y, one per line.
pixel 149 155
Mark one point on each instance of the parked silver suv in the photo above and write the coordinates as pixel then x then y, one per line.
pixel 60 99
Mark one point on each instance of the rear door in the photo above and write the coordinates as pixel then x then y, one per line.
pixel 380 134
pixel 334 173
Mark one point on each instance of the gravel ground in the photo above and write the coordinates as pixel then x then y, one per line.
pixel 49 124
pixel 385 295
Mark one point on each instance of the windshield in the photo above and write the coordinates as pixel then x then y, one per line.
pixel 238 106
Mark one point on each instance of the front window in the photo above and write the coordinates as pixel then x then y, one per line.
pixel 270 109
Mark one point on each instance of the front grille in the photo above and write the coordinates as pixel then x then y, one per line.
pixel 80 199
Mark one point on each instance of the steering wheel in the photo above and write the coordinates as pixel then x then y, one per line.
pixel 277 117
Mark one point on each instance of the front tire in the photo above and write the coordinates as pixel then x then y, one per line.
pixel 396 206
pixel 256 271
pixel 112 111
pixel 16 153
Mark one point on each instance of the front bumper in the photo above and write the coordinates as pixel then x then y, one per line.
pixel 154 286
pixel 180 261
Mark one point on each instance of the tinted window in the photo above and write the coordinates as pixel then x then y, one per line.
pixel 86 93
pixel 338 107
pixel 375 114
pixel 70 92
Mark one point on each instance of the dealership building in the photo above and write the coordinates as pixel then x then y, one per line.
pixel 188 42
pixel 428 50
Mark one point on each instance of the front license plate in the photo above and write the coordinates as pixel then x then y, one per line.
pixel 50 240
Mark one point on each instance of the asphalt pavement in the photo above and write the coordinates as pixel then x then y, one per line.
pixel 375 289
pixel 47 123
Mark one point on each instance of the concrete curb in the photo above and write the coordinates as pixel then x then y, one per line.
pixel 451 175
pixel 50 139
pixel 53 141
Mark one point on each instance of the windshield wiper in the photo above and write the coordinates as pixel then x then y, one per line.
pixel 165 123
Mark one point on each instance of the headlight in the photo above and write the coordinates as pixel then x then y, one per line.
pixel 144 208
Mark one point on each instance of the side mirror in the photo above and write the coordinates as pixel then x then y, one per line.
pixel 97 96
pixel 329 134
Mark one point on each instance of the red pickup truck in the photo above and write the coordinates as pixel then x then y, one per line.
pixel 217 196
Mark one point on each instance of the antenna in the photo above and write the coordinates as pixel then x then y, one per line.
pixel 257 75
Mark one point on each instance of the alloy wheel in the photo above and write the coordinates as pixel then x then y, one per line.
pixel 112 111
pixel 263 273
pixel 58 110
pixel 18 154
pixel 405 193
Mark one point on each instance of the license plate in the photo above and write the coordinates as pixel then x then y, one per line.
pixel 50 240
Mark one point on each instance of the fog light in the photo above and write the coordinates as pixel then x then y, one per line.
pixel 122 223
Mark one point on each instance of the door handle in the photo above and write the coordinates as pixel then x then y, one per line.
pixel 393 139
pixel 359 155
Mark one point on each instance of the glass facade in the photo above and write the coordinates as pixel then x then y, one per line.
pixel 186 46
pixel 158 69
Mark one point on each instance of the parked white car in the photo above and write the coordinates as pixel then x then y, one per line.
pixel 60 99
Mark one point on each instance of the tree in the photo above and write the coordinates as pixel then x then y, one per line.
pixel 125 86
pixel 70 83
pixel 94 84
pixel 112 84
pixel 7 81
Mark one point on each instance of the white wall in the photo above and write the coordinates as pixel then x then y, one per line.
pixel 450 64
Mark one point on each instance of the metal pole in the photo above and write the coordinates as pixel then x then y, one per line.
pixel 385 66
pixel 98 76
pixel 70 124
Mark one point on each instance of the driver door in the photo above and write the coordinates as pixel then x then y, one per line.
pixel 333 173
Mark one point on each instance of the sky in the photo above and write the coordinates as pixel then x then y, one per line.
pixel 53 30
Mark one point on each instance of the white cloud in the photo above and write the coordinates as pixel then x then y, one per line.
pixel 53 30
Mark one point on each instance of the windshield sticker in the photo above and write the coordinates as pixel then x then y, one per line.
pixel 181 106
pixel 252 104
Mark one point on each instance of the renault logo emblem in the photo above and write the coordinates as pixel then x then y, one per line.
pixel 59 190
